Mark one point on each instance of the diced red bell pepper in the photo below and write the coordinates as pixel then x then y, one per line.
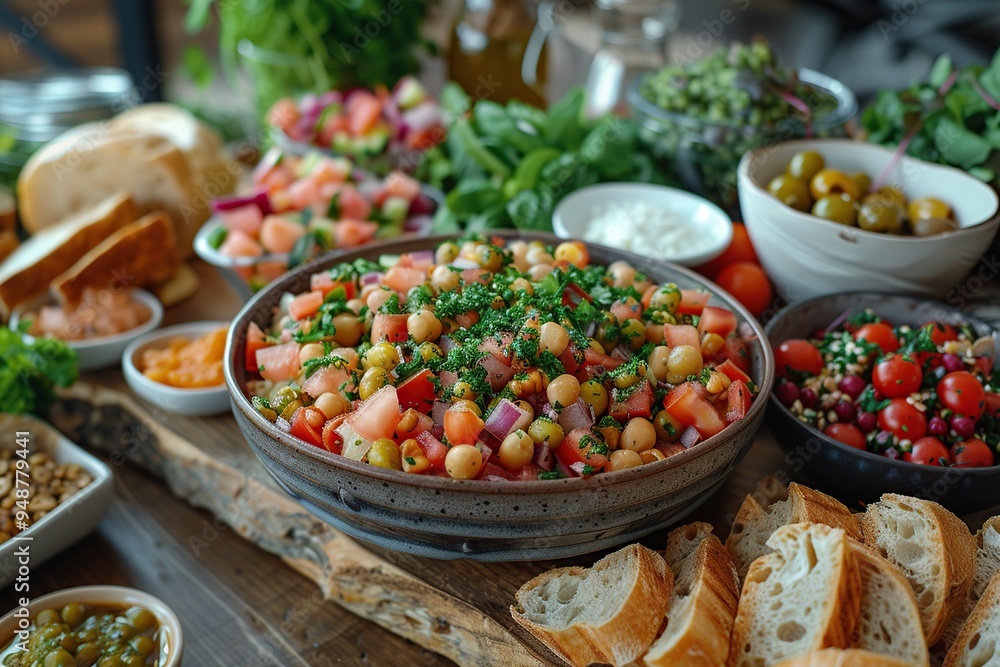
pixel 499 348
pixel 592 357
pixel 307 424
pixel 686 406
pixel 681 334
pixel 732 371
pixel 736 351
pixel 716 320
pixel 417 391
pixel 739 401
pixel 325 283
pixel 569 357
pixel 692 302
pixel 638 403
pixel 255 341
pixel 573 295
pixel 434 450
pixel 390 328
pixel 585 446
pixel 332 441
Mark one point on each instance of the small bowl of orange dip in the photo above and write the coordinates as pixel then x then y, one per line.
pixel 179 368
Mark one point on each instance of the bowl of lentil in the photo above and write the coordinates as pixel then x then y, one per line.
pixel 69 491
pixel 859 475
pixel 504 516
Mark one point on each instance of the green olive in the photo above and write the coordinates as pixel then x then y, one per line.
pixel 545 430
pixel 382 355
pixel 429 351
pixel 887 197
pixel 595 395
pixel 928 207
pixel 837 208
pixel 608 330
pixel 111 661
pixel 863 181
pixel 666 297
pixel 384 453
pixel 373 380
pixel 88 654
pixel 74 614
pixel 931 226
pixel 805 164
pixel 832 182
pixel 876 217
pixel 633 333
pixel 667 427
pixel 143 645
pixel 489 257
pixel 47 617
pixel 282 397
pixel 791 192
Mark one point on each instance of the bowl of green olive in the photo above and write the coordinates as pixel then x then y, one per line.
pixel 92 626
pixel 834 215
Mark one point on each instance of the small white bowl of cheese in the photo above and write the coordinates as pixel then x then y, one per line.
pixel 656 221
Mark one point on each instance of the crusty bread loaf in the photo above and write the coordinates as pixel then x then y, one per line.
pixel 802 597
pixel 704 602
pixel 765 511
pixel 141 254
pixel 609 613
pixel 978 645
pixel 933 549
pixel 889 623
pixel 28 271
pixel 836 657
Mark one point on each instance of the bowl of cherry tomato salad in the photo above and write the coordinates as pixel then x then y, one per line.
pixel 501 399
pixel 886 394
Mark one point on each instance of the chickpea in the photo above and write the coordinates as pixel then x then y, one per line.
pixel 381 355
pixel 429 351
pixel 463 462
pixel 563 391
pixel 634 333
pixel 347 329
pixel 516 450
pixel 444 279
pixel 424 326
pixel 463 390
pixel 526 407
pixel 384 453
pixel 666 297
pixel 449 325
pixel 612 435
pixel 355 305
pixel 667 427
pixel 573 252
pixel 623 459
pixel 654 333
pixel 538 271
pixel 544 430
pixel 539 255
pixel 412 457
pixel 446 253
pixel 310 351
pixel 519 253
pixel 651 456
pixel 608 331
pixel 332 404
pixel 522 285
pixel 374 379
pixel 711 343
pixel 626 380
pixel 378 298
pixel 622 274
pixel 349 355
pixel 658 362
pixel 684 360
pixel 468 405
pixel 489 257
pixel 595 395
pixel 596 346
pixel 553 338
pixel 638 435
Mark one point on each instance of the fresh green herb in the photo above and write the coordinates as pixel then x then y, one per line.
pixel 29 372
pixel 549 474
pixel 868 403
pixel 588 469
pixel 917 340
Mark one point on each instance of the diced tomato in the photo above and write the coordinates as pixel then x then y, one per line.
pixel 255 341
pixel 462 426
pixel 417 391
pixel 736 352
pixel 363 111
pixel 325 283
pixel 985 365
pixel 568 358
pixel 353 205
pixel 690 409
pixel 592 357
pixel 330 172
pixel 498 373
pixel 499 348
pixel 304 192
pixel 329 379
pixel 434 450
pixel 493 470
pixel 416 261
pixel 306 304
pixel 626 311
pixel 307 424
pixel 579 446
pixel 398 184
pixel 692 302
pixel 716 320
pixel 392 328
pixel 574 294
pixel 279 234
pixel 403 279
pixel 470 276
pixel 351 232
pixel 992 403
pixel 246 218
pixel 681 334
pixel 239 244
pixel 739 401
pixel 377 417
pixel 271 161
pixel 732 371
pixel 278 363
pixel 638 403
pixel 423 423
pixel 333 441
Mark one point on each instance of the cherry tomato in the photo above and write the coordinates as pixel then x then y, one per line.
pixel 740 250
pixel 927 451
pixel 962 393
pixel 307 424
pixel 849 434
pixel 902 420
pixel 798 355
pixel 881 334
pixel 941 333
pixel 973 453
pixel 897 376
pixel 749 284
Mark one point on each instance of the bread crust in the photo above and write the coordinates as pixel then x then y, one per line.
pixel 834 657
pixel 958 655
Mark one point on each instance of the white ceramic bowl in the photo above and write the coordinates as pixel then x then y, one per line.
pixel 69 521
pixel 94 354
pixel 189 402
pixel 109 596
pixel 574 214
pixel 807 256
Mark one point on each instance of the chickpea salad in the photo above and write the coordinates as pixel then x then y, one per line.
pixel 922 394
pixel 497 360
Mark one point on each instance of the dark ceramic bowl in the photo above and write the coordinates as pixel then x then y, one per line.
pixel 856 476
pixel 482 520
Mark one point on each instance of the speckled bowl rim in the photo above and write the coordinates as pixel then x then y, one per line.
pixel 784 413
pixel 242 403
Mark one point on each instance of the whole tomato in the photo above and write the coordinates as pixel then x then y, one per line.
pixel 881 334
pixel 962 393
pixel 800 355
pixel 972 453
pixel 928 451
pixel 849 434
pixel 897 376
pixel 902 420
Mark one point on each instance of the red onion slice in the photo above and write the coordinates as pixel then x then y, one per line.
pixel 259 199
pixel 543 456
pixel 690 437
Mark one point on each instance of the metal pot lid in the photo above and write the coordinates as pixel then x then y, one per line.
pixel 65 91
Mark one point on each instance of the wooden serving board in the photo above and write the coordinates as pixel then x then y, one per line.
pixel 456 609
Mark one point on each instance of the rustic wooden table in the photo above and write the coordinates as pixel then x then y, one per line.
pixel 243 607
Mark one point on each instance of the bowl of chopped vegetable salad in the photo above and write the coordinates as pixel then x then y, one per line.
pixel 503 398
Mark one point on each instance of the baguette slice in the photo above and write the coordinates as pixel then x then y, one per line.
pixel 803 597
pixel 609 613
pixel 835 657
pixel 28 270
pixel 889 624
pixel 932 547
pixel 987 567
pixel 143 253
pixel 772 507
pixel 978 645
pixel 703 607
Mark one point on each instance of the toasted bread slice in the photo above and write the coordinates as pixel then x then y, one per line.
pixel 609 613
pixel 978 645
pixel 836 657
pixel 703 606
pixel 803 597
pixel 141 254
pixel 763 513
pixel 182 286
pixel 932 547
pixel 28 270
pixel 890 619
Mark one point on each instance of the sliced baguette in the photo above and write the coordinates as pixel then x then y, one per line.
pixel 609 613
pixel 28 270
pixel 763 513
pixel 978 644
pixel 889 624
pixel 704 602
pixel 987 567
pixel 932 547
pixel 802 597
pixel 138 255
pixel 836 657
